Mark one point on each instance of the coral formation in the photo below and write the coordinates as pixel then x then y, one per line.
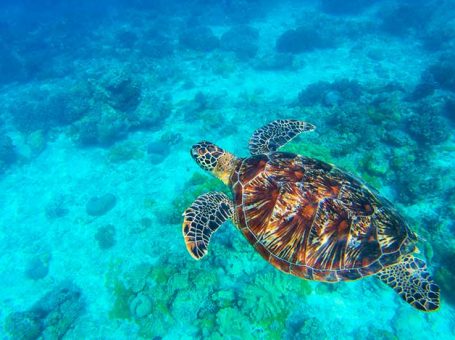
pixel 50 106
pixel 330 93
pixel 105 236
pixel 427 125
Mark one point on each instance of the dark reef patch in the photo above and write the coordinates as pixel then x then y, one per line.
pixel 242 40
pixel 51 317
pixel 105 236
pixel 199 38
pixel 427 125
pixel 330 93
pixel 304 39
pixel 48 106
pixel 404 18
pixel 443 72
pixel 100 205
pixel 8 153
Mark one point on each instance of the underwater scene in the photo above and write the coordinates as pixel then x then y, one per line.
pixel 315 137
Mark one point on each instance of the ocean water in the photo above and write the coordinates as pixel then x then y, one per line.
pixel 100 105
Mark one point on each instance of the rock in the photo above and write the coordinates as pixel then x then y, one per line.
pixel 157 151
pixel 38 267
pixel 98 206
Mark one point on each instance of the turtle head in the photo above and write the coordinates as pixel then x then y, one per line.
pixel 214 159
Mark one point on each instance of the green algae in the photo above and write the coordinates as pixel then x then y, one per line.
pixel 267 297
pixel 198 184
pixel 124 152
pixel 120 308
pixel 311 150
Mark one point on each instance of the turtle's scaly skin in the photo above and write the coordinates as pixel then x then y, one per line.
pixel 312 220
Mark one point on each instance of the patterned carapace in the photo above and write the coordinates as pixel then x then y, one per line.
pixel 312 220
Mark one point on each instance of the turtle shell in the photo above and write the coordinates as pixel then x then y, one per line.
pixel 310 219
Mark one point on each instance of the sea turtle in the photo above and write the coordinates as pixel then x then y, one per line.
pixel 306 217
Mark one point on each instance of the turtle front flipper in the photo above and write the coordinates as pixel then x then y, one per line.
pixel 202 219
pixel 274 135
pixel 413 282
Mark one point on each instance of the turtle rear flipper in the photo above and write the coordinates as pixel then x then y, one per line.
pixel 202 219
pixel 274 135
pixel 411 280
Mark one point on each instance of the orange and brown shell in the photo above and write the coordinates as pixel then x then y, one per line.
pixel 310 219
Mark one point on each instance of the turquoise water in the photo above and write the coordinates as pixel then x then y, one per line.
pixel 100 105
